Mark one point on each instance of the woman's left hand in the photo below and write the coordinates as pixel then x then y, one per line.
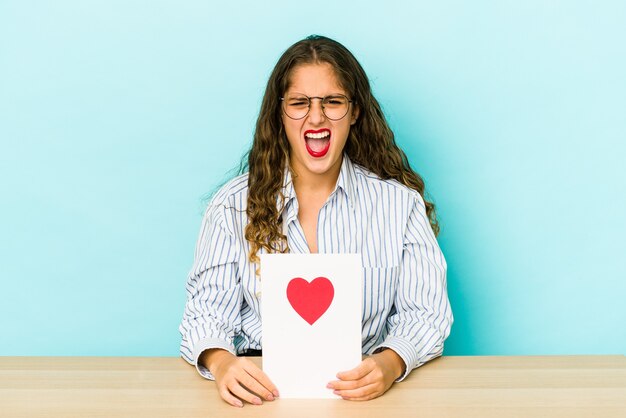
pixel 370 379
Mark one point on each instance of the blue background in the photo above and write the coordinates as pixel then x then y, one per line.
pixel 117 117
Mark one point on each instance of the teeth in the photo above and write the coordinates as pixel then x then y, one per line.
pixel 318 135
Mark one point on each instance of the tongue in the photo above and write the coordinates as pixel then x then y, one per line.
pixel 317 144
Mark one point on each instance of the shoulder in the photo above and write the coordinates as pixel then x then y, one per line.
pixel 369 182
pixel 232 193
pixel 228 204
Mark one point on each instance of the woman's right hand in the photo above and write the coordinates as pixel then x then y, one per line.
pixel 238 378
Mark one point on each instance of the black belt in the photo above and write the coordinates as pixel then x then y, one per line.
pixel 253 353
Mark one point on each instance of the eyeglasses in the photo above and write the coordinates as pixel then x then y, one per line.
pixel 334 107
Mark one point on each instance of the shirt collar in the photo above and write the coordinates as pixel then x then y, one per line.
pixel 287 190
pixel 346 182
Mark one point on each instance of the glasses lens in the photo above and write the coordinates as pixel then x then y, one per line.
pixel 336 106
pixel 296 107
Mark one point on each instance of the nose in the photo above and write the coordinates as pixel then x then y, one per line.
pixel 316 112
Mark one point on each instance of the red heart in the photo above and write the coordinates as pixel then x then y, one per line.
pixel 310 300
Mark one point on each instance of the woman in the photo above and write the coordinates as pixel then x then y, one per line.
pixel 324 175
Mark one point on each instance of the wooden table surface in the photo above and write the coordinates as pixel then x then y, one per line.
pixel 478 386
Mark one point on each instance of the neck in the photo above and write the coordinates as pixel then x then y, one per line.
pixel 316 184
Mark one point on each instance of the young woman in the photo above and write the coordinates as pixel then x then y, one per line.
pixel 324 174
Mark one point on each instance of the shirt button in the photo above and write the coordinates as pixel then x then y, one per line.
pixel 258 294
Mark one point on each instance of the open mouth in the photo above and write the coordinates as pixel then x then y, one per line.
pixel 317 142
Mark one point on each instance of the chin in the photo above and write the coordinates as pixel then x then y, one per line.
pixel 322 166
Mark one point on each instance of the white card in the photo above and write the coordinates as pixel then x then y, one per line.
pixel 311 319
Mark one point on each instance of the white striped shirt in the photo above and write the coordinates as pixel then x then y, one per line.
pixel 405 300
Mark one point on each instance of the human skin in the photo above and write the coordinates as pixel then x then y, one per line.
pixel 237 378
pixel 315 177
pixel 370 379
pixel 316 80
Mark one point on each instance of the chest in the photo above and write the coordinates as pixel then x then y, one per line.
pixel 337 227
pixel 308 219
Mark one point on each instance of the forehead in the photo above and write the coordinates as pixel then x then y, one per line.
pixel 319 79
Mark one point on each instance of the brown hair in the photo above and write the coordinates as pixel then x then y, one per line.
pixel 370 142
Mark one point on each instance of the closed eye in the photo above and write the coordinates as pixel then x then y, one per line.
pixel 335 100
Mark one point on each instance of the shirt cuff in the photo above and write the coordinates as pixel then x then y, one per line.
pixel 404 349
pixel 208 344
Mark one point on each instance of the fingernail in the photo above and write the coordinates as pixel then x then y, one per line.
pixel 329 386
pixel 239 404
pixel 270 397
pixel 336 392
pixel 257 401
pixel 276 393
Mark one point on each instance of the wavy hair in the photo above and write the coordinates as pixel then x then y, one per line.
pixel 370 143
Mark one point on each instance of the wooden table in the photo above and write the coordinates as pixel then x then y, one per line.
pixel 528 387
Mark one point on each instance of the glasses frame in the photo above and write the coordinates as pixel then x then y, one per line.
pixel 282 99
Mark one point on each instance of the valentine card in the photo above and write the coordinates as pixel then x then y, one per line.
pixel 311 319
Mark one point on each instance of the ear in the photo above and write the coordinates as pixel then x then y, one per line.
pixel 355 115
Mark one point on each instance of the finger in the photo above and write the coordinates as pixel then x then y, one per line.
pixel 351 384
pixel 363 393
pixel 237 390
pixel 358 372
pixel 262 378
pixel 364 398
pixel 253 385
pixel 229 398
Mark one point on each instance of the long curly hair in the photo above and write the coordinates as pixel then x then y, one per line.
pixel 370 143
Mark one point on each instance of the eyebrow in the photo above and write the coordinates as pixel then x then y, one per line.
pixel 295 93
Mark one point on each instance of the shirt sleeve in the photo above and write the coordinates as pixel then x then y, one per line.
pixel 421 318
pixel 212 313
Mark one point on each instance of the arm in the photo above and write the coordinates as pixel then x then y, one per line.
pixel 422 317
pixel 212 316
pixel 370 379
pixel 238 378
pixel 420 320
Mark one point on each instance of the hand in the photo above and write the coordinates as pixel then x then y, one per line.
pixel 370 379
pixel 238 378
